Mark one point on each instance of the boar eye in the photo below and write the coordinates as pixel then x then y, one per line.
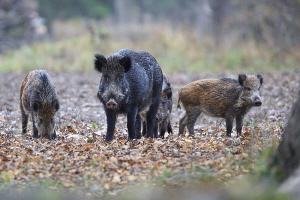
pixel 248 89
pixel 105 78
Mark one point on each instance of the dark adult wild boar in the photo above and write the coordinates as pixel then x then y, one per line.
pixel 131 83
pixel 225 98
pixel 164 111
pixel 38 98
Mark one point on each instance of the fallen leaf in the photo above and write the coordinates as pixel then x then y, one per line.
pixel 73 171
pixel 4 158
pixel 113 160
pixel 131 178
pixel 36 159
pixel 71 129
pixel 67 184
pixel 116 178
pixel 106 186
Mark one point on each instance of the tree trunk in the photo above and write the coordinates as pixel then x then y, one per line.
pixel 287 156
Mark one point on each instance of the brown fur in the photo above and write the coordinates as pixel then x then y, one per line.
pixel 224 98
pixel 38 98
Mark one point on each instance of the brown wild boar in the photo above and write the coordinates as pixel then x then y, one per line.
pixel 38 98
pixel 225 98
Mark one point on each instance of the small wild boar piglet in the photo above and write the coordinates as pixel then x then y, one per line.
pixel 38 98
pixel 164 111
pixel 225 98
pixel 131 83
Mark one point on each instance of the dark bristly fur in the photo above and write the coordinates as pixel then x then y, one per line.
pixel 164 111
pixel 225 98
pixel 131 83
pixel 38 98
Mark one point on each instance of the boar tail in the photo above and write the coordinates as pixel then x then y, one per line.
pixel 178 103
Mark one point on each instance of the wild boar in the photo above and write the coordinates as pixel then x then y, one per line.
pixel 224 98
pixel 38 98
pixel 164 111
pixel 131 83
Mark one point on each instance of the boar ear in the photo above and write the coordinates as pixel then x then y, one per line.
pixel 99 61
pixel 242 78
pixel 260 77
pixel 126 63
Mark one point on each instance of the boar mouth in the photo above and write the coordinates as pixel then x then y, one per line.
pixel 47 134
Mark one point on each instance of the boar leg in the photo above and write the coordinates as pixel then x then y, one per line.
pixel 35 130
pixel 131 120
pixel 144 128
pixel 229 122
pixel 138 126
pixel 24 121
pixel 151 119
pixel 54 134
pixel 182 124
pixel 169 127
pixel 111 123
pixel 239 125
pixel 163 128
pixel 192 118
pixel 155 130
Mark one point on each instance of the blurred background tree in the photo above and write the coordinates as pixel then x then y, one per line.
pixel 270 24
pixel 271 21
pixel 20 23
pixel 74 9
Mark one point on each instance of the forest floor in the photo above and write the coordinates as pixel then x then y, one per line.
pixel 80 159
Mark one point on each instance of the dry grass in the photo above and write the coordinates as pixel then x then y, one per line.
pixel 176 49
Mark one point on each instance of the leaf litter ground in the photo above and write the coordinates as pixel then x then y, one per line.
pixel 80 158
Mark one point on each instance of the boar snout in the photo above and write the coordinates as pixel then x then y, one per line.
pixel 257 102
pixel 46 129
pixel 111 104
